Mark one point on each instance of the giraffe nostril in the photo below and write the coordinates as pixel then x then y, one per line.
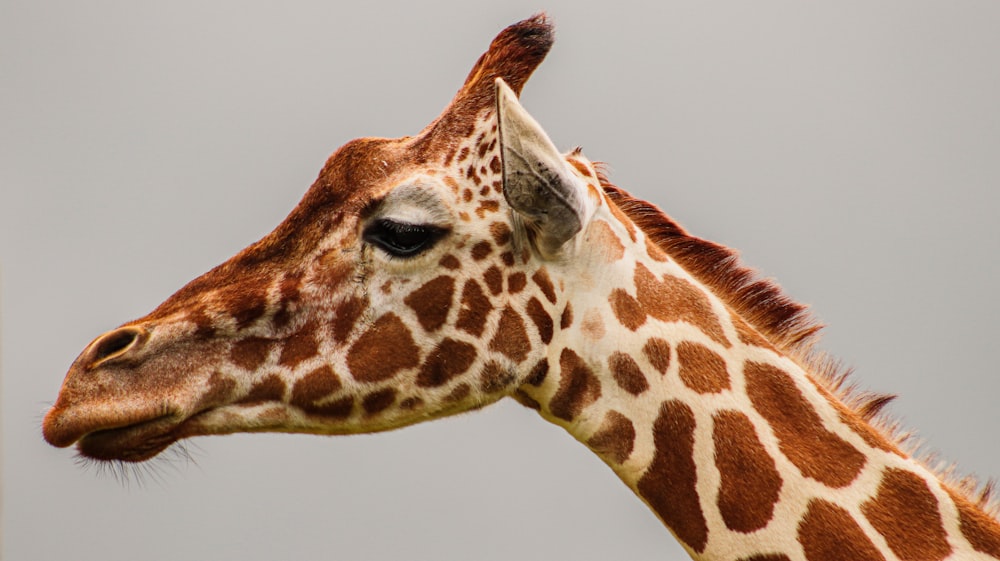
pixel 115 343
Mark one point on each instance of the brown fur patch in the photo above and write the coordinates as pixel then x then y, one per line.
pixel 245 303
pixel 627 309
pixel 250 353
pixel 607 242
pixel 516 282
pixel 314 386
pixel 450 262
pixel 623 219
pixel 750 482
pixel 766 557
pixel 906 513
pixel 541 319
pixel 382 350
pixel 268 388
pixel 578 387
pixel 475 310
pixel 829 532
pixel 449 358
pixel 542 280
pixel 538 373
pixel 378 401
pixel 675 299
pixel 981 530
pixel 494 280
pixel 346 316
pixel 669 483
pixel 432 302
pixel 627 373
pixel 494 378
pixel 566 319
pixel 411 403
pixel 500 233
pixel 481 250
pixel 511 339
pixel 657 352
pixel 701 369
pixel 507 258
pixel 486 207
pixel 654 252
pixel 817 452
pixel 300 346
pixel 459 393
pixel 615 439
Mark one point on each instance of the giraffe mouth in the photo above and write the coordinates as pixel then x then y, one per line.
pixel 131 443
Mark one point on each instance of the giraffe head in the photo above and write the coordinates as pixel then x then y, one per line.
pixel 408 284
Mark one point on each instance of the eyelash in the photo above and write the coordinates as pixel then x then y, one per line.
pixel 402 239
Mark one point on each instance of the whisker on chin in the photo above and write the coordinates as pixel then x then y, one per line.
pixel 140 474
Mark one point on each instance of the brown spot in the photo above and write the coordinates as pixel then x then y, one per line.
pixel 476 308
pixel 871 436
pixel 486 206
pixel 701 369
pixel 906 513
pixel 624 220
pixel 460 392
pixel 383 350
pixel 500 233
pixel 337 409
pixel 538 373
pixel 246 304
pixel 606 241
pixel 449 358
pixel 578 387
pixel 511 339
pixel 750 482
pixel 828 532
pixel 300 346
pixel 450 262
pixel 379 401
pixel 526 400
pixel 657 352
pixel 346 316
pixel 495 165
pixel 481 250
pixel 615 439
pixel 817 452
pixel 507 258
pixel 566 319
pixel 669 483
pixel 467 195
pixel 627 373
pixel 542 320
pixel 268 388
pixel 541 278
pixel 516 282
pixel 220 390
pixel 494 377
pixel 494 280
pixel 463 154
pixel 333 271
pixel 654 251
pixel 432 301
pixel 675 299
pixel 980 529
pixel 314 386
pixel 627 309
pixel 580 167
pixel 250 353
pixel 766 557
pixel 411 403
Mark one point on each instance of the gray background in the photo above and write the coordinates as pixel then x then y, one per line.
pixel 851 150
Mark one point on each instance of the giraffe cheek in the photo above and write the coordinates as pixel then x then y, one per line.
pixel 366 358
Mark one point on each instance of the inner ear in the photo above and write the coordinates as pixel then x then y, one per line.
pixel 536 181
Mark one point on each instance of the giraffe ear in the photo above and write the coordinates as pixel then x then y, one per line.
pixel 536 182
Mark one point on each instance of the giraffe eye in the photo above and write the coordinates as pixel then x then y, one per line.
pixel 401 239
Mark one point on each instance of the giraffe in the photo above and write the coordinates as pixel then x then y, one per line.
pixel 432 275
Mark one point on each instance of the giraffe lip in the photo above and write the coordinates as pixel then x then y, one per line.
pixel 131 443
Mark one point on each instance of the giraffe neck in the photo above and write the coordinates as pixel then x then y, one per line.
pixel 740 451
